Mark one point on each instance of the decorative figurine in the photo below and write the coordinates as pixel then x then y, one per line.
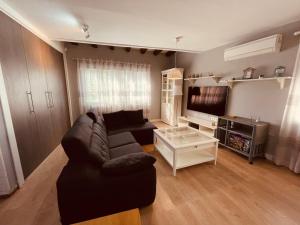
pixel 279 71
pixel 248 73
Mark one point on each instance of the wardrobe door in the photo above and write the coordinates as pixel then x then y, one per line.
pixel 56 90
pixel 37 78
pixel 49 65
pixel 60 95
pixel 14 68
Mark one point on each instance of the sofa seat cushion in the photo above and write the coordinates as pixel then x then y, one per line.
pixel 124 150
pixel 143 133
pixel 119 139
pixel 139 127
pixel 129 163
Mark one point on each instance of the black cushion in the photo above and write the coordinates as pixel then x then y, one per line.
pixel 76 142
pixel 100 130
pixel 92 115
pixel 134 117
pixel 128 163
pixel 98 150
pixel 143 133
pixel 125 149
pixel 117 140
pixel 84 119
pixel 115 120
pixel 139 127
pixel 81 143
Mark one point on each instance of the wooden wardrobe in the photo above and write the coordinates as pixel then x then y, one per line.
pixel 35 82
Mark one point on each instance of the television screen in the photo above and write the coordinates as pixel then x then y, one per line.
pixel 210 100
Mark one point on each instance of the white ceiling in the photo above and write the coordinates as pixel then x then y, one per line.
pixel 204 24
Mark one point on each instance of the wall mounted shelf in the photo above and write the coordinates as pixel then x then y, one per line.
pixel 281 81
pixel 218 79
pixel 192 80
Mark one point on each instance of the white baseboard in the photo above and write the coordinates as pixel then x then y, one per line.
pixel 155 120
pixel 269 156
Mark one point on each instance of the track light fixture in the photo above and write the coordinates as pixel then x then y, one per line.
pixel 85 30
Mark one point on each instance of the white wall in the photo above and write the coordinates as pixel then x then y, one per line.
pixel 249 99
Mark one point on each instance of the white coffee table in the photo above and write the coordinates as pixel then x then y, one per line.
pixel 185 146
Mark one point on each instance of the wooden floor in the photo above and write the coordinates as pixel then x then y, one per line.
pixel 233 192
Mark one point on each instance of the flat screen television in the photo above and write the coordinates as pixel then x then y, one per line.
pixel 210 100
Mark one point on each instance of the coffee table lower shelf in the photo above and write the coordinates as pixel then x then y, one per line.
pixel 179 160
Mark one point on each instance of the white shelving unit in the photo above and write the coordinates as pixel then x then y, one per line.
pixel 171 95
pixel 204 125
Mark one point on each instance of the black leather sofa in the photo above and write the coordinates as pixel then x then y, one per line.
pixel 105 174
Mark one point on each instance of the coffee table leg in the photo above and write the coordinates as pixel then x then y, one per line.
pixel 216 153
pixel 174 163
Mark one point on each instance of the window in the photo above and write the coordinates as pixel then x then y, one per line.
pixel 111 86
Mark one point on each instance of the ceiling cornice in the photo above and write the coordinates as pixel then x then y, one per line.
pixel 124 45
pixel 9 11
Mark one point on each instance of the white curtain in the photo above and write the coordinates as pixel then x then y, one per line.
pixel 288 150
pixel 108 86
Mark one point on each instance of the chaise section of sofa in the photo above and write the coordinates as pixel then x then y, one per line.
pixel 105 174
pixel 130 121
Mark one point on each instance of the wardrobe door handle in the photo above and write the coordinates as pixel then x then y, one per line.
pixel 30 101
pixel 51 103
pixel 47 99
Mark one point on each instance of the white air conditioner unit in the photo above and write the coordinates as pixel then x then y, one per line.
pixel 258 47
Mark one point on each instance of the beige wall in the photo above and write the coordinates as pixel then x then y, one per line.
pixel 158 63
pixel 249 99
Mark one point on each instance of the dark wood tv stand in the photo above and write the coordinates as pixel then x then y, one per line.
pixel 242 135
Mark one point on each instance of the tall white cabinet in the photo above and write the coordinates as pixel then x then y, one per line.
pixel 171 95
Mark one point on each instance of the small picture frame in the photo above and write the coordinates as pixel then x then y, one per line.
pixel 248 73
pixel 279 71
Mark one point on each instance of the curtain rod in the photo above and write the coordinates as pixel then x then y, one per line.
pixel 110 60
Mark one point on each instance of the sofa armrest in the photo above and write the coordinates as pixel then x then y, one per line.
pixel 128 164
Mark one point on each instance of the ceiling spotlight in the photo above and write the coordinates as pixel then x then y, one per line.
pixel 85 30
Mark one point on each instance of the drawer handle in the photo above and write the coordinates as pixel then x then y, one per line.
pixel 51 97
pixel 30 102
pixel 47 99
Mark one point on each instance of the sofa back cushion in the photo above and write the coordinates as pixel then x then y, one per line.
pixel 84 119
pixel 84 143
pixel 93 115
pixel 115 120
pixel 100 129
pixel 134 117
